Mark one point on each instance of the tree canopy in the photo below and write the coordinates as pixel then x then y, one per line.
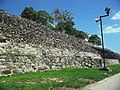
pixel 29 13
pixel 62 16
pixel 44 17
pixel 94 39
pixel 41 16
pixel 64 20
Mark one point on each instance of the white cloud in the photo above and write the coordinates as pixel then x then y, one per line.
pixel 111 29
pixel 116 16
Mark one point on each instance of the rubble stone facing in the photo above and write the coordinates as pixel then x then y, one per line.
pixel 20 58
pixel 22 30
pixel 26 46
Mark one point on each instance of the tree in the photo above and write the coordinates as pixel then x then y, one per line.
pixel 63 20
pixel 65 23
pixel 40 17
pixel 65 26
pixel 29 13
pixel 44 17
pixel 94 39
pixel 62 16
pixel 81 34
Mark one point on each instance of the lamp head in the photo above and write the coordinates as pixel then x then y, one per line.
pixel 97 20
pixel 107 10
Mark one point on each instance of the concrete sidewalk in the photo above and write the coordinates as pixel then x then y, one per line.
pixel 111 83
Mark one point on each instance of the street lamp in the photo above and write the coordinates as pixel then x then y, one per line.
pixel 107 10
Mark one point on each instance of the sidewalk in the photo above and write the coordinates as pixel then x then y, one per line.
pixel 111 83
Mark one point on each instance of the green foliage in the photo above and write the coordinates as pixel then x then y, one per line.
pixel 79 34
pixel 2 10
pixel 40 16
pixel 65 26
pixel 65 23
pixel 49 80
pixel 29 13
pixel 62 16
pixel 94 39
pixel 44 17
pixel 63 20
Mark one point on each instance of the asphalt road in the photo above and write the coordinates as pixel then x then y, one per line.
pixel 112 83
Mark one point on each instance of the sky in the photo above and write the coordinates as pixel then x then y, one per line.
pixel 84 12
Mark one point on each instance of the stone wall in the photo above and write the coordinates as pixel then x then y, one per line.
pixel 29 63
pixel 27 46
pixel 19 57
pixel 21 30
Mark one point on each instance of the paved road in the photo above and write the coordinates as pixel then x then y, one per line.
pixel 112 83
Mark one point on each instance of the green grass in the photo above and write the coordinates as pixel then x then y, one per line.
pixel 48 80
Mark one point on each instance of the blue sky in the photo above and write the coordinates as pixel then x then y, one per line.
pixel 84 11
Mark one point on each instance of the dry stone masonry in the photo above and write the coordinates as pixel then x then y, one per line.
pixel 26 46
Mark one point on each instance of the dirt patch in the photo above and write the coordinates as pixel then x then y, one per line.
pixel 30 82
pixel 52 79
pixel 55 79
pixel 27 81
pixel 90 81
